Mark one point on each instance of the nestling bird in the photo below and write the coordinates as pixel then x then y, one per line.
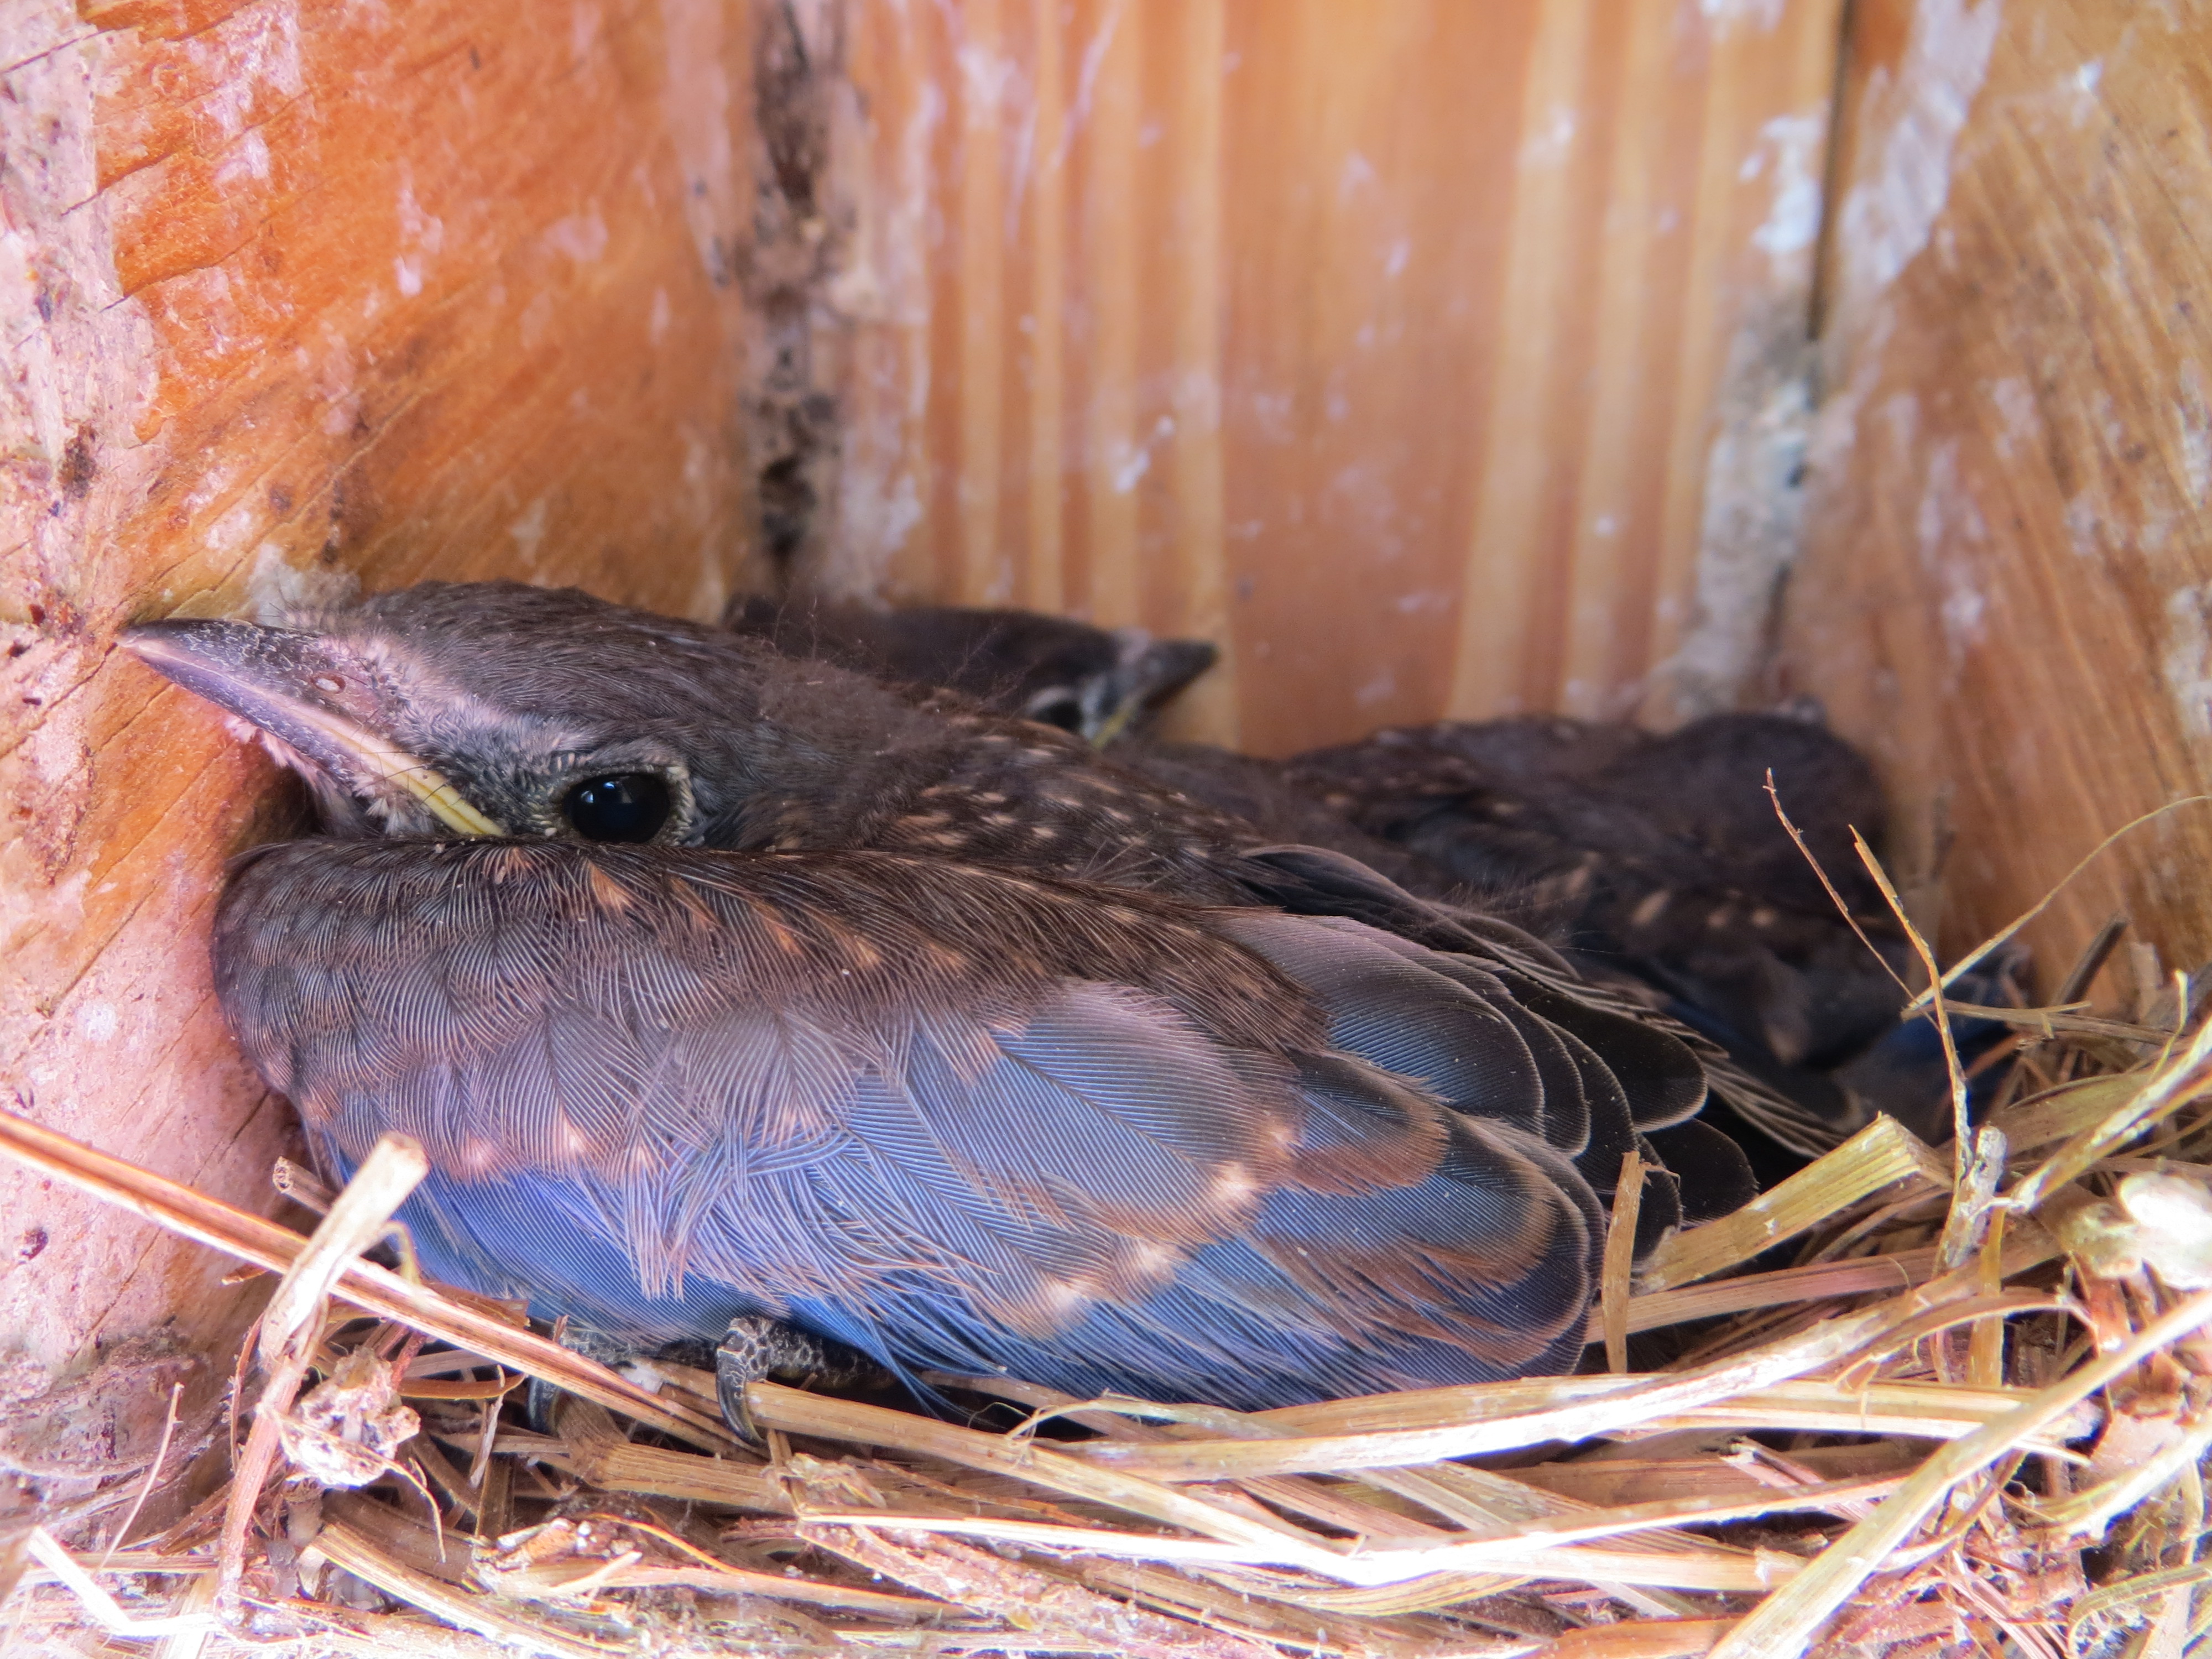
pixel 1092 681
pixel 1660 858
pixel 1260 792
pixel 720 986
pixel 1664 852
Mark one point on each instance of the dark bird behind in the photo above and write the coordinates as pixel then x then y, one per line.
pixel 721 985
pixel 1660 852
pixel 1660 858
pixel 1096 682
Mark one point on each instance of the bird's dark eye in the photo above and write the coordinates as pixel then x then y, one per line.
pixel 629 806
pixel 1060 708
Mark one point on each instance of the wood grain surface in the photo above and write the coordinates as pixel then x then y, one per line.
pixel 2007 593
pixel 297 294
pixel 1389 343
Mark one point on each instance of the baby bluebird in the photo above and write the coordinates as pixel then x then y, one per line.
pixel 720 985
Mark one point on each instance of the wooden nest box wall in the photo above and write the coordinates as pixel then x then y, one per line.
pixel 1434 357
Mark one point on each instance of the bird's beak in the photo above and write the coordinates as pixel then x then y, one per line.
pixel 1150 672
pixel 1165 666
pixel 267 677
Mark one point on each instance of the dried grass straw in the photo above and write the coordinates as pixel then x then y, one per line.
pixel 1902 1439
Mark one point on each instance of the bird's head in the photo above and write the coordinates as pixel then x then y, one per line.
pixel 1146 673
pixel 1094 681
pixel 1098 683
pixel 491 709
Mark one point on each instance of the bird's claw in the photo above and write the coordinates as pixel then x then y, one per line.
pixel 756 1347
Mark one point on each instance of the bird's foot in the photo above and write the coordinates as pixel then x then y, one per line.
pixel 540 1397
pixel 757 1347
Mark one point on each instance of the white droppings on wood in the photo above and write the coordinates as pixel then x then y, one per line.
pixel 421 236
pixel 2193 421
pixel 2016 405
pixel 877 513
pixel 235 529
pixel 701 126
pixel 1952 532
pixel 2186 661
pixel 1792 149
pixel 883 280
pixel 1884 220
pixel 2082 102
pixel 582 236
pixel 1379 689
pixel 1752 518
pixel 243 61
pixel 2081 526
pixel 1723 16
pixel 1754 504
pixel 528 532
pixel 1550 144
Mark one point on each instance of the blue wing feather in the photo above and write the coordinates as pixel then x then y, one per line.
pixel 1078 1161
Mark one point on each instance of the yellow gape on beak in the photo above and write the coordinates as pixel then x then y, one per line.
pixel 393 764
pixel 268 677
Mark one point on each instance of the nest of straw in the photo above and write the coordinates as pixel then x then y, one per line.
pixel 1919 1403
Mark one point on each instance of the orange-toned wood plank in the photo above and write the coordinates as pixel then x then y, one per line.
pixel 1195 591
pixel 1370 182
pixel 2004 593
pixel 1539 371
pixel 1105 130
pixel 298 292
pixel 1481 274
pixel 979 293
pixel 1043 211
pixel 1617 535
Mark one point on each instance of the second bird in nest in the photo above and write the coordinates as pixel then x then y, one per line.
pixel 1096 682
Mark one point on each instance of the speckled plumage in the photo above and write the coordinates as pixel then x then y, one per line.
pixel 924 1028
pixel 1662 852
pixel 1659 858
pixel 1655 861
